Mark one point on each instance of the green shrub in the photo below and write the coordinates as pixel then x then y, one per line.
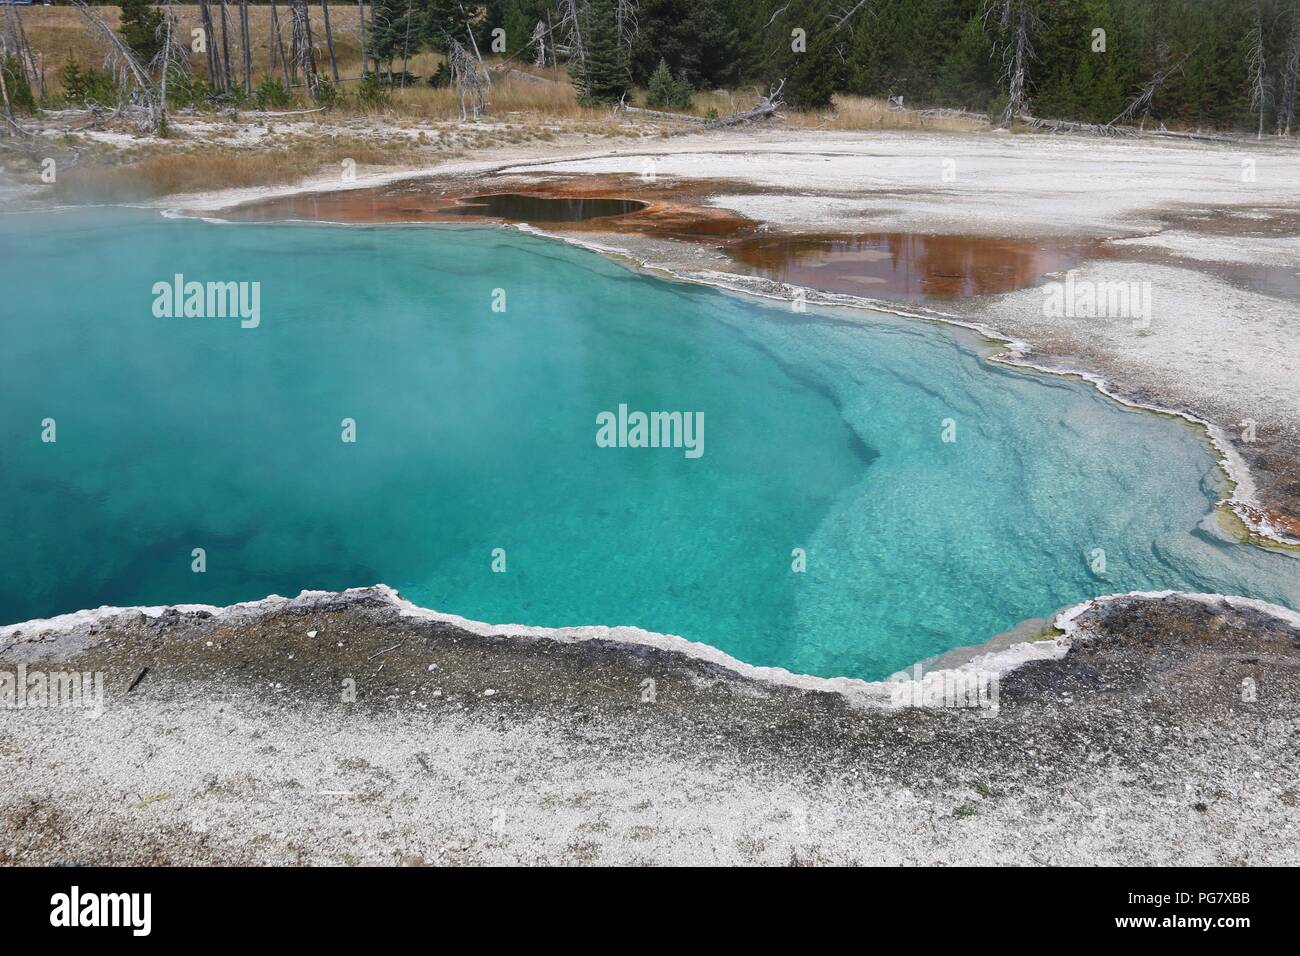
pixel 186 89
pixel 441 76
pixel 20 91
pixel 371 92
pixel 327 94
pixel 271 94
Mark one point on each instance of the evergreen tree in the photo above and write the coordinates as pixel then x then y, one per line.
pixel 694 36
pixel 19 90
pixel 667 91
pixel 967 79
pixel 807 55
pixel 139 28
pixel 606 77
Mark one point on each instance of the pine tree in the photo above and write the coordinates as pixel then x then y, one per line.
pixel 606 77
pixel 967 79
pixel 140 23
pixel 695 36
pixel 807 54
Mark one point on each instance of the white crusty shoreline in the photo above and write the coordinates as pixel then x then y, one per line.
pixel 891 693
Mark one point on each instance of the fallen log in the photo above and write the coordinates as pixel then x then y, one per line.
pixel 659 114
pixel 767 106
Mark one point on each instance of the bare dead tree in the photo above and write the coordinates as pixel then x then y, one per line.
pixel 228 80
pixel 209 42
pixel 539 41
pixel 1018 24
pixel 766 106
pixel 137 91
pixel 329 40
pixel 277 48
pixel 304 54
pixel 34 76
pixel 246 49
pixel 1286 113
pixel 361 19
pixel 271 43
pixel 469 30
pixel 1255 64
pixel 625 22
pixel 172 58
pixel 11 121
pixel 571 29
pixel 406 46
pixel 1141 103
pixel 470 80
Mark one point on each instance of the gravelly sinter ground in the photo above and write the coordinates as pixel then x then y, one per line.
pixel 1168 734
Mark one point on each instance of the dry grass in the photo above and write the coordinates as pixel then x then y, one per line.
pixel 150 173
pixel 862 112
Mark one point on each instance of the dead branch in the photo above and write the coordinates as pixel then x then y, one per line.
pixel 767 106
pixel 657 114
pixel 1018 23
pixel 138 91
pixel 625 22
pixel 469 79
pixel 1142 102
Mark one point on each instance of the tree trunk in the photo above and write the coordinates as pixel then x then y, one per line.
pixel 406 47
pixel 361 16
pixel 9 107
pixel 286 67
pixel 209 43
pixel 304 54
pixel 271 44
pixel 329 40
pixel 225 48
pixel 248 53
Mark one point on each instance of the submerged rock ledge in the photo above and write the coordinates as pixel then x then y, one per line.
pixel 1162 730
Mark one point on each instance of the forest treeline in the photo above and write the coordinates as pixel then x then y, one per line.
pixel 1216 64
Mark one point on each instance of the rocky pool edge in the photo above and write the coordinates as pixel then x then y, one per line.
pixel 71 633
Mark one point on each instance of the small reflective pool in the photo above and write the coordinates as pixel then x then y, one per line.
pixel 523 208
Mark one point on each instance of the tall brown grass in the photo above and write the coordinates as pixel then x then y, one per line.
pixel 157 173
pixel 867 113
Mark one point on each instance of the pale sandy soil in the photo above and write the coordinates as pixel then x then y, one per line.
pixel 1165 735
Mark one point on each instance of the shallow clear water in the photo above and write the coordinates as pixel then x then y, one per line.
pixel 476 430
pixel 544 208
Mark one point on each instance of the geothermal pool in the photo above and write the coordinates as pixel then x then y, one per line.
pixel 517 431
